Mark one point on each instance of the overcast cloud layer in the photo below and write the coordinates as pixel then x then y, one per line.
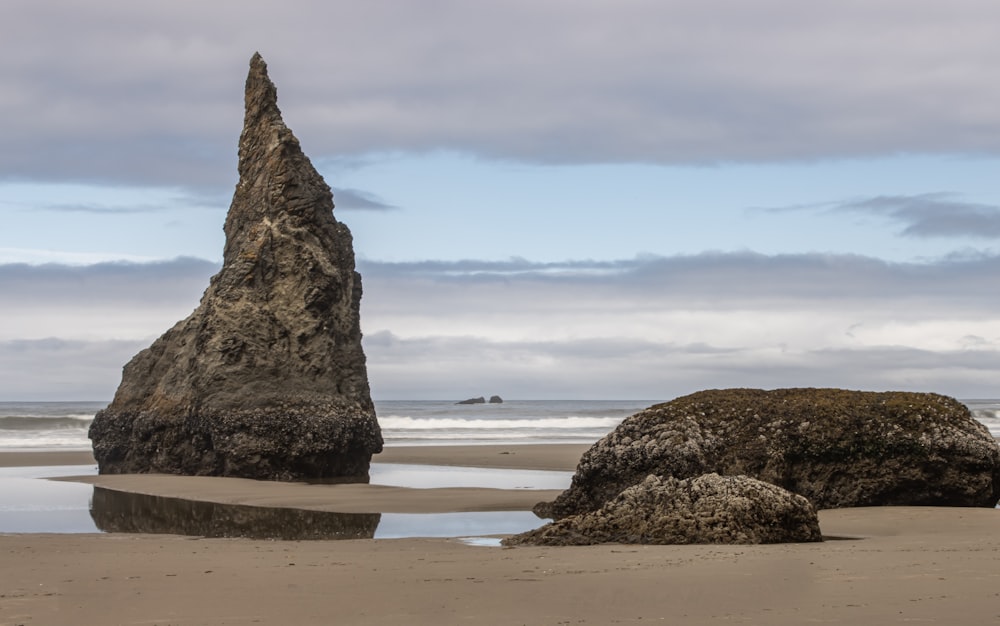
pixel 544 129
pixel 642 328
pixel 682 81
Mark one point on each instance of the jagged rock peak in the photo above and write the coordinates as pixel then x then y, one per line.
pixel 267 377
pixel 263 128
pixel 261 96
pixel 276 180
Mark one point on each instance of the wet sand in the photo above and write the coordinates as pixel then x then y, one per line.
pixel 896 565
pixel 539 457
pixel 46 457
pixel 356 498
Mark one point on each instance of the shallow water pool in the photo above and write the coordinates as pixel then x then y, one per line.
pixel 31 504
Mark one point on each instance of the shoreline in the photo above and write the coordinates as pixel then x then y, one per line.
pixel 893 564
pixel 541 456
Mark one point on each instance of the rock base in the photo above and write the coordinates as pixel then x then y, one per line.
pixel 710 509
pixel 258 444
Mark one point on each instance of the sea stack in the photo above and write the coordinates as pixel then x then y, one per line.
pixel 266 378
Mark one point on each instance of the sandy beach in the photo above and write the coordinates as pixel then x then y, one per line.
pixel 886 565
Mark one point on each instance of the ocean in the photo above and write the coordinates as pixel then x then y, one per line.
pixel 63 425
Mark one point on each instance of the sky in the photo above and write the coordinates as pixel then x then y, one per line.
pixel 634 199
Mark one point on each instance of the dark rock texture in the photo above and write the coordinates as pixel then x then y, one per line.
pixel 266 378
pixel 479 400
pixel 496 400
pixel 837 448
pixel 706 509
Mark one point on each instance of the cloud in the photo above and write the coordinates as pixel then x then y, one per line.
pixel 937 214
pixel 932 215
pixel 649 327
pixel 27 198
pixel 61 370
pixel 658 371
pixel 107 301
pixel 116 91
pixel 102 209
pixel 711 280
pixel 356 199
pixel 117 283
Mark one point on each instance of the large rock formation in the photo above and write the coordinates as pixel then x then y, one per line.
pixel 837 448
pixel 706 509
pixel 266 378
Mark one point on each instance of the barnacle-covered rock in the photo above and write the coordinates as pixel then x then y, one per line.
pixel 837 448
pixel 706 509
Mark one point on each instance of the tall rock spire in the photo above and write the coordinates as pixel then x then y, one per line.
pixel 267 377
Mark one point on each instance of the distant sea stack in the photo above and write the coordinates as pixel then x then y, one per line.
pixel 482 400
pixel 265 379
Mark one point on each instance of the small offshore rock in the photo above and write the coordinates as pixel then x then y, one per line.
pixel 479 400
pixel 709 509
pixel 838 448
pixel 496 400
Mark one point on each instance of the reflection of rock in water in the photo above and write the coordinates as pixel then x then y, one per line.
pixel 123 512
